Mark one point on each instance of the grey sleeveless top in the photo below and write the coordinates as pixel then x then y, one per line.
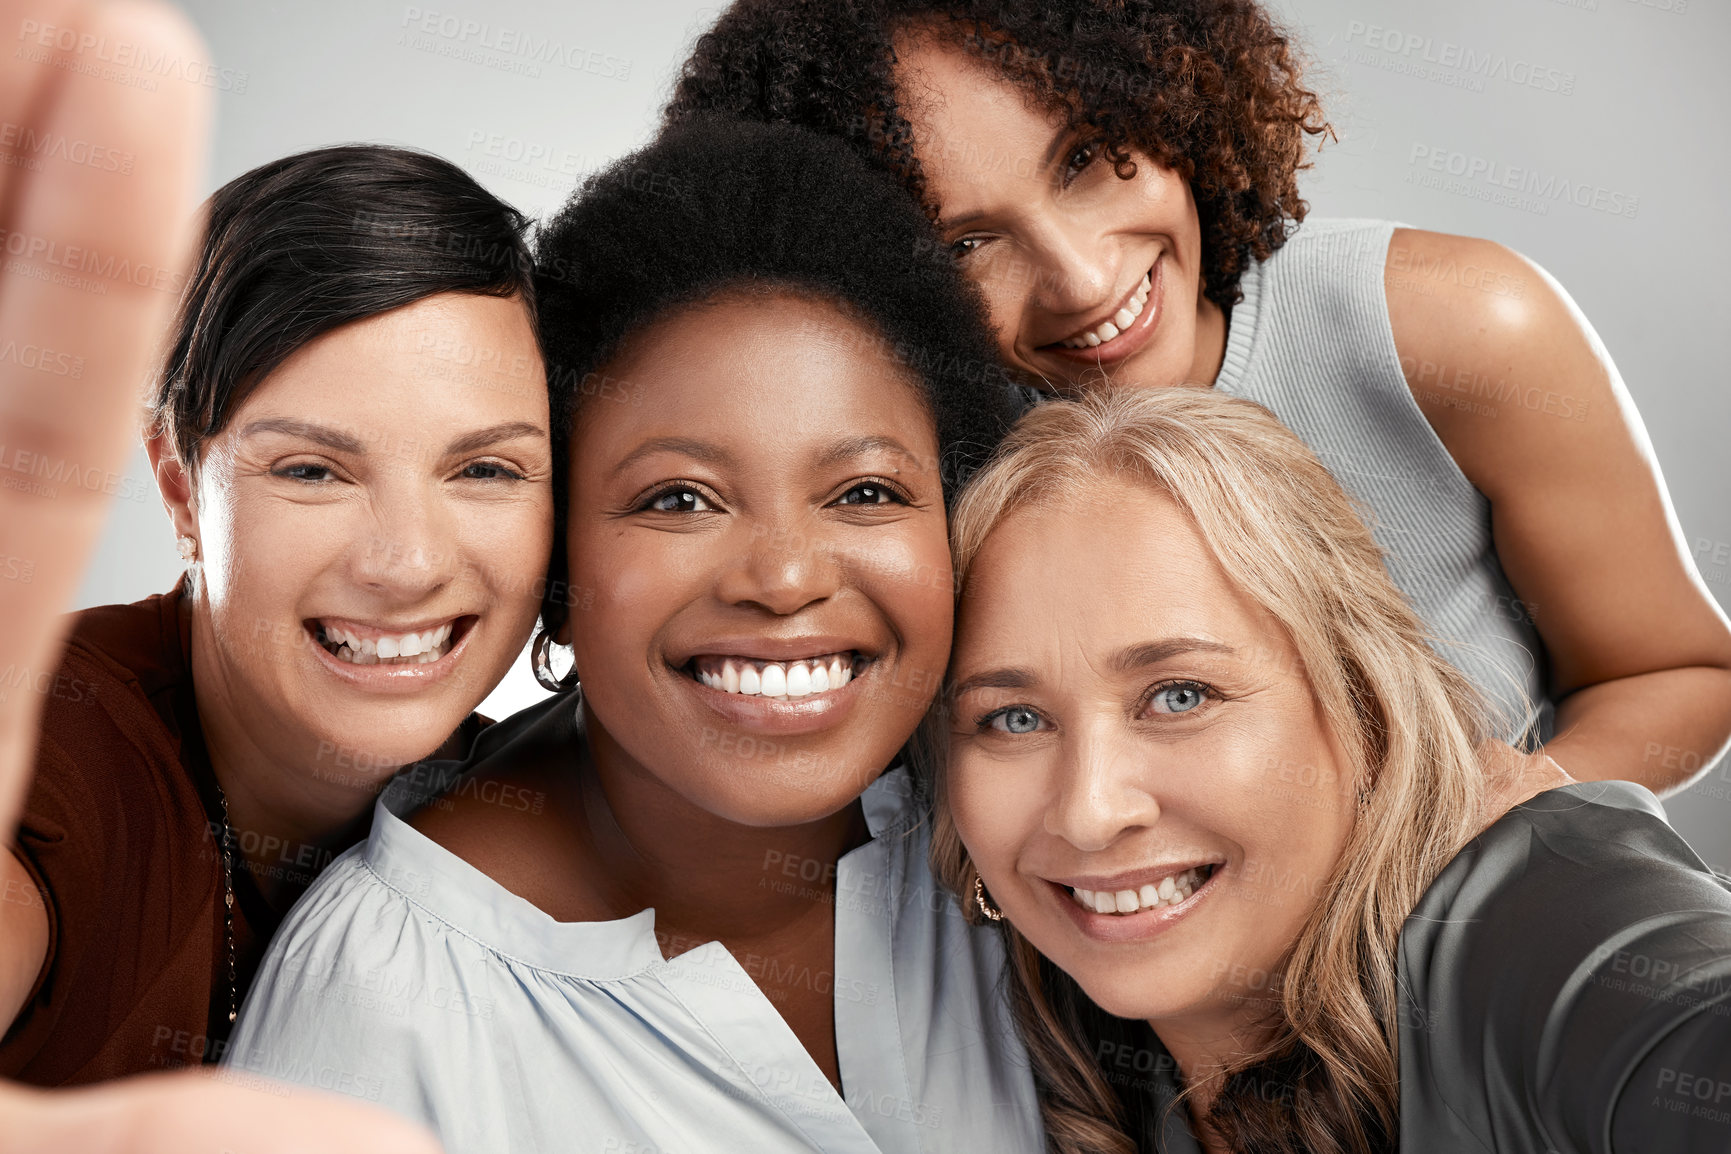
pixel 1311 341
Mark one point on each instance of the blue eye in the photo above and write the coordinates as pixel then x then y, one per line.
pixel 680 501
pixel 1013 719
pixel 1178 697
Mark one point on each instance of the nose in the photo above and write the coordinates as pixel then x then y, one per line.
pixel 411 550
pixel 1075 268
pixel 1101 791
pixel 783 568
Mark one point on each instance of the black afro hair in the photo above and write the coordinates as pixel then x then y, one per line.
pixel 717 206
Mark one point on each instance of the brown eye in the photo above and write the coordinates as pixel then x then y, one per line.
pixel 1082 157
pixel 679 501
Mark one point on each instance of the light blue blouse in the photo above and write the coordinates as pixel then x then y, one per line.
pixel 408 977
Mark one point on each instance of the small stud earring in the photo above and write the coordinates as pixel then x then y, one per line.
pixel 188 548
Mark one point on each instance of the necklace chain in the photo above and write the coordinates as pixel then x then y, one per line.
pixel 228 904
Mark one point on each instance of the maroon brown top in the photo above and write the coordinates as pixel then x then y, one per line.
pixel 121 831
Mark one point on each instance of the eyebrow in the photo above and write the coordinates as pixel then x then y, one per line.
pixel 343 442
pixel 1060 138
pixel 1124 661
pixel 319 434
pixel 849 448
pixel 701 450
pixel 493 434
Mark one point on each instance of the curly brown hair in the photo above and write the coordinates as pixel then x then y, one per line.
pixel 1211 89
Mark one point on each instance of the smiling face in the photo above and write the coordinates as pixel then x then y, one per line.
pixel 1085 274
pixel 761 528
pixel 373 523
pixel 1138 767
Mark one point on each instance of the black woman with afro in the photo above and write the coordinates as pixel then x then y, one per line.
pixel 685 904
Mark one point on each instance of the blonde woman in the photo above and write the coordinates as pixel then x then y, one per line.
pixel 1265 885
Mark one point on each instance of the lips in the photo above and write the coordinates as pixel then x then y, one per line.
pixel 778 680
pixel 783 686
pixel 1172 890
pixel 1136 906
pixel 362 644
pixel 1118 323
pixel 1120 334
pixel 390 658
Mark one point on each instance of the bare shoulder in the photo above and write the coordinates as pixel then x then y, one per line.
pixel 1500 361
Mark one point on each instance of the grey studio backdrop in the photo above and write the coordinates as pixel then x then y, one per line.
pixel 1587 134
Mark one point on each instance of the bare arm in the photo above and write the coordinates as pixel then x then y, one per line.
pixel 1532 409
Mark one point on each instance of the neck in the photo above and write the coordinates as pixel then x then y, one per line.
pixel 1211 329
pixel 287 821
pixel 1204 1047
pixel 708 878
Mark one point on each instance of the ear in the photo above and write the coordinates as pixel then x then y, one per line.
pixel 175 484
pixel 562 635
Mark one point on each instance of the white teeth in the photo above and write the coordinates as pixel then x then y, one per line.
pixel 1118 322
pixel 1170 891
pixel 784 680
pixel 409 649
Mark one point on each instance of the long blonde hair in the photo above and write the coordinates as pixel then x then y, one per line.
pixel 1291 539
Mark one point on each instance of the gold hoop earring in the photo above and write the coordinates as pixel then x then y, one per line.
pixel 992 912
pixel 187 547
pixel 543 668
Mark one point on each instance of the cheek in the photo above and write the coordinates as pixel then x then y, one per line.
pixel 628 583
pixel 508 546
pixel 992 821
pixel 907 570
pixel 261 556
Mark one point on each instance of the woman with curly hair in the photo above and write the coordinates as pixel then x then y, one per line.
pixel 1120 179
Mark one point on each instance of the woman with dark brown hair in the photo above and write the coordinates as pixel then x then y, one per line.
pixel 1119 177
pixel 350 433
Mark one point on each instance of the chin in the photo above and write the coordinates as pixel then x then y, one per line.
pixel 776 798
